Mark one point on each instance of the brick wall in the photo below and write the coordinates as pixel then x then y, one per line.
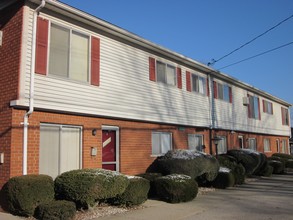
pixel 10 51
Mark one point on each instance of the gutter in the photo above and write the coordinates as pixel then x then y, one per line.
pixel 32 84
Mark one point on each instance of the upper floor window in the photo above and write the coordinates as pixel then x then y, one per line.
pixel 166 73
pixel 222 92
pixel 267 107
pixel 199 84
pixel 68 54
pixel 253 107
pixel 285 116
pixel 161 142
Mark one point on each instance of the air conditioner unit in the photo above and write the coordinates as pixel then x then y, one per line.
pixel 245 101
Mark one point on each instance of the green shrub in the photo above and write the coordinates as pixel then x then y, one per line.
pixel 268 171
pixel 278 166
pixel 56 210
pixel 151 177
pixel 224 179
pixel 24 193
pixel 87 186
pixel 263 163
pixel 251 160
pixel 136 192
pixel 176 188
pixel 282 155
pixel 188 162
pixel 289 164
pixel 237 169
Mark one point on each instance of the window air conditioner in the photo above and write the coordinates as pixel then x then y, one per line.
pixel 245 101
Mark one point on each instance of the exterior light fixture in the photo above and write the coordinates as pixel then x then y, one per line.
pixel 94 132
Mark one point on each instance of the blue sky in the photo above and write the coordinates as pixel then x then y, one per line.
pixel 209 29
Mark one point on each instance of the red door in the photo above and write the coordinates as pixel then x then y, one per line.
pixel 109 154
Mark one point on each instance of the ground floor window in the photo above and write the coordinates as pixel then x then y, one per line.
pixel 267 145
pixel 222 145
pixel 284 146
pixel 161 142
pixel 60 149
pixel 252 144
pixel 195 142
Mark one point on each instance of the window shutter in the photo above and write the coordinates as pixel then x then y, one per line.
pixel 215 90
pixel 283 115
pixel 188 82
pixel 41 46
pixel 259 113
pixel 95 61
pixel 272 108
pixel 230 95
pixel 264 105
pixel 179 78
pixel 152 69
pixel 208 87
pixel 249 107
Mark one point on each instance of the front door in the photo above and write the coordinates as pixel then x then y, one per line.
pixel 110 152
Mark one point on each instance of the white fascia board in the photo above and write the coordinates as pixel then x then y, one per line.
pixel 116 31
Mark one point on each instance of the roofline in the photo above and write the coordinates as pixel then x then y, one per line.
pixel 116 31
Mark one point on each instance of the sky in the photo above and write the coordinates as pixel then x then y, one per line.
pixel 210 29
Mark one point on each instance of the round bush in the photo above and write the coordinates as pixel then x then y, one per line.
pixel 151 177
pixel 284 156
pixel 176 188
pixel 224 179
pixel 24 193
pixel 278 166
pixel 87 186
pixel 136 192
pixel 56 210
pixel 289 163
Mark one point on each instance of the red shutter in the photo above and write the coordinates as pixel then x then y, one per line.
pixel 230 94
pixel 215 90
pixel 208 87
pixel 259 113
pixel 188 82
pixel 264 105
pixel 179 78
pixel 272 108
pixel 249 107
pixel 41 46
pixel 95 61
pixel 152 69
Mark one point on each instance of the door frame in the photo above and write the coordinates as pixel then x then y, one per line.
pixel 116 129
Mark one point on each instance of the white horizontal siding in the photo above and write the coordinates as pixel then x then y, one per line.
pixel 125 91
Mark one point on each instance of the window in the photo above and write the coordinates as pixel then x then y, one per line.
pixel 69 54
pixel 166 73
pixel 252 144
pixel 267 107
pixel 222 92
pixel 284 146
pixel 59 149
pixel 195 142
pixel 267 145
pixel 161 142
pixel 222 145
pixel 199 84
pixel 285 116
pixel 253 107
pixel 278 145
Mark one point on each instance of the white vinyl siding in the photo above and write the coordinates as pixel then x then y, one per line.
pixel 195 142
pixel 59 149
pixel 161 143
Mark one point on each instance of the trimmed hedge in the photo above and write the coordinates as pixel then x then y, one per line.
pixel 188 162
pixel 151 177
pixel 176 188
pixel 24 193
pixel 237 169
pixel 224 179
pixel 278 166
pixel 87 186
pixel 282 155
pixel 56 210
pixel 136 192
pixel 289 164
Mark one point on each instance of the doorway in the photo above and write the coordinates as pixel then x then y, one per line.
pixel 110 148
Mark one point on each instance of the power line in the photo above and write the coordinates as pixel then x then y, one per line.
pixel 233 51
pixel 260 54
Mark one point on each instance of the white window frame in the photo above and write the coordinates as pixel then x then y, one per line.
pixel 160 151
pixel 198 79
pixel 254 107
pixel 250 141
pixel 268 107
pixel 192 146
pixel 284 146
pixel 165 75
pixel 222 145
pixel 267 145
pixel 71 30
pixel 240 138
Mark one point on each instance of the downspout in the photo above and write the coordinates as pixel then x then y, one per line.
pixel 32 82
pixel 211 107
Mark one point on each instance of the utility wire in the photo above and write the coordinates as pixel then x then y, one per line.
pixel 260 54
pixel 233 51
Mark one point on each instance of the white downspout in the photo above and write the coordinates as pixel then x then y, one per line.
pixel 31 95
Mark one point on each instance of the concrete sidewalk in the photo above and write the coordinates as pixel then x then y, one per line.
pixel 263 199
